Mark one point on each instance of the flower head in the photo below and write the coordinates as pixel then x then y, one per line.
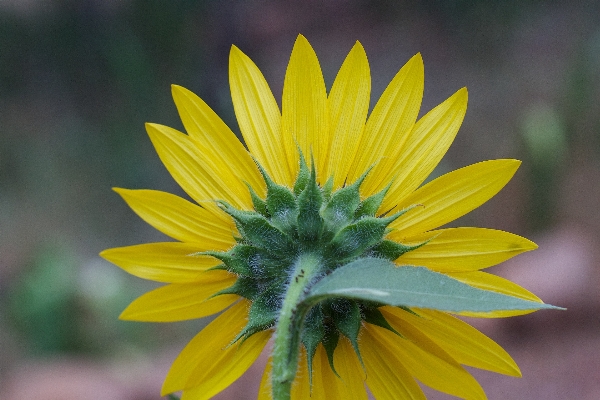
pixel 320 186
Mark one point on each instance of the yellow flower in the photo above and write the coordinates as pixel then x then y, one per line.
pixel 388 155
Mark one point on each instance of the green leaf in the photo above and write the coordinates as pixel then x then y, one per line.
pixel 378 280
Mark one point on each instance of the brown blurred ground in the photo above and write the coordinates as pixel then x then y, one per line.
pixel 78 79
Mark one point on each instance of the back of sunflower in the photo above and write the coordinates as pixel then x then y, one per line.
pixel 319 236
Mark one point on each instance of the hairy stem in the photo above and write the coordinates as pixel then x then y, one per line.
pixel 289 326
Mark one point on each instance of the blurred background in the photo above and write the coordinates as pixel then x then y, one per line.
pixel 78 80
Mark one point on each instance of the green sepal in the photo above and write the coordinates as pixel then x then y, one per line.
pixel 263 312
pixel 403 211
pixel 260 206
pixel 239 239
pixel 232 260
pixel 303 175
pixel 330 341
pixel 392 250
pixel 281 204
pixel 347 318
pixel 327 189
pixel 391 218
pixel 354 239
pixel 313 331
pixel 258 231
pixel 370 205
pixel 246 287
pixel 238 217
pixel 310 223
pixel 409 310
pixel 340 210
pixel 220 267
pixel 373 316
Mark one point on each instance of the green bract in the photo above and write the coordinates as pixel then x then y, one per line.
pixel 337 228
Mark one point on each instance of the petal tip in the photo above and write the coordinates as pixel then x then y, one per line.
pixel 129 314
pixel 120 190
pixel 302 43
pixel 159 132
pixel 126 194
pixel 126 315
pixel 235 53
pixel 513 164
pixel 516 372
pixel 358 46
pixel 416 66
pixel 462 94
pixel 168 387
pixel 177 89
pixel 527 245
pixel 417 58
pixel 151 128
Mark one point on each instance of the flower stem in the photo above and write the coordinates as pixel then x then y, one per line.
pixel 289 326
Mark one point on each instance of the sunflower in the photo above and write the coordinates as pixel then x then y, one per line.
pixel 317 186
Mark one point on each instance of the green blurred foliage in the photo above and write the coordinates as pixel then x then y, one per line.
pixel 44 305
pixel 58 306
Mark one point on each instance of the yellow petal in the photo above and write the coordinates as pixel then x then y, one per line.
pixel 182 220
pixel 423 149
pixel 183 301
pixel 427 362
pixel 216 142
pixel 453 195
pixel 483 280
pixel 347 365
pixel 210 362
pixel 301 389
pixel 170 262
pixel 259 117
pixel 349 384
pixel 304 107
pixel 387 377
pixel 323 380
pixel 325 384
pixel 194 171
pixel 390 121
pixel 265 391
pixel 462 249
pixel 234 364
pixel 463 342
pixel 347 104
